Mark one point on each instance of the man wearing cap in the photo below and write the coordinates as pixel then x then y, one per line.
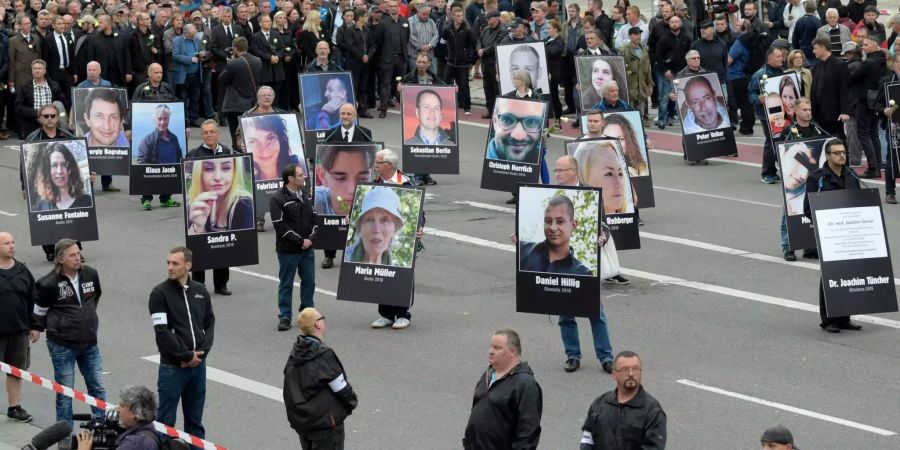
pixel 486 47
pixel 539 24
pixel 777 438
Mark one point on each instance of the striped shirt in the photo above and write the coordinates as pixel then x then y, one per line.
pixel 420 34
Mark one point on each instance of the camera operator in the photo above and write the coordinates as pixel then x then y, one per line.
pixel 137 411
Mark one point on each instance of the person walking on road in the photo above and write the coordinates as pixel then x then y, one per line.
pixel 17 288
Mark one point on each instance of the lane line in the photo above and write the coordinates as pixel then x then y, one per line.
pixel 236 381
pixel 8 214
pixel 789 408
pixel 275 279
pixel 720 197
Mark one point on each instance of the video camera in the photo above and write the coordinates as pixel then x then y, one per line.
pixel 105 429
pixel 716 7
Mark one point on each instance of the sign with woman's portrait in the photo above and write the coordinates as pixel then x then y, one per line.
pixel 58 191
pixel 99 116
pixel 780 94
pixel 629 129
pixel 158 143
pixel 380 252
pixel 593 72
pixel 799 159
pixel 322 94
pixel 275 141
pixel 219 211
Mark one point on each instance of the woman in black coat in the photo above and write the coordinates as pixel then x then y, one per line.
pixel 555 48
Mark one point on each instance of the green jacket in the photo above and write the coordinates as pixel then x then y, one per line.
pixel 638 74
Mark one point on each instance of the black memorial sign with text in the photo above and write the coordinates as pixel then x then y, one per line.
pixel 779 95
pixel 339 168
pixel 380 250
pixel 798 160
pixel 705 123
pixel 220 222
pixel 857 274
pixel 322 94
pixel 593 71
pixel 558 257
pixel 602 165
pixel 275 141
pixel 158 144
pixel 430 129
pixel 58 191
pixel 629 129
pixel 514 144
pixel 99 115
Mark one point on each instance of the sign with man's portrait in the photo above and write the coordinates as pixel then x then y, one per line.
pixel 430 129
pixel 338 169
pixel 99 116
pixel 595 71
pixel 529 56
pixel 158 143
pixel 557 250
pixel 705 124
pixel 322 94
pixel 514 144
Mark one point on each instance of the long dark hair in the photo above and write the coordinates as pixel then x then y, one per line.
pixel 275 124
pixel 39 170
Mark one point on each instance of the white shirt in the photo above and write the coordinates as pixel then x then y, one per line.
pixel 349 133
pixel 63 50
pixel 75 281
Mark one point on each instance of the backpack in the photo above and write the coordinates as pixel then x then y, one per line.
pixel 166 443
pixel 757 48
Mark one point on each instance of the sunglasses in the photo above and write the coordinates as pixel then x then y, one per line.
pixel 48 116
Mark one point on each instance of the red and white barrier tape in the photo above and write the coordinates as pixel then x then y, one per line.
pixel 96 402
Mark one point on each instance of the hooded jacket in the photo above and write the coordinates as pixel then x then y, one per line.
pixel 68 312
pixel 16 299
pixel 316 392
pixel 183 320
pixel 507 413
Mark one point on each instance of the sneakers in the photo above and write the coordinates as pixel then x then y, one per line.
pixel 467 112
pixel 146 205
pixel 401 323
pixel 770 179
pixel 382 322
pixel 618 279
pixel 16 413
pixel 790 256
pixel 284 324
pixel 170 203
pixel 890 198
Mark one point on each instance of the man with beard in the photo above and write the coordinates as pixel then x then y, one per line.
pixel 626 417
pixel 517 131
pixel 429 109
pixel 111 50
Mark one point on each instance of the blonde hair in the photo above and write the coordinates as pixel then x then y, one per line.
pixel 307 319
pixel 313 22
pixel 235 192
pixel 587 154
pixel 524 76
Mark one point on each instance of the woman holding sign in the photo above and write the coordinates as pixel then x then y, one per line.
pixel 56 178
pixel 219 199
pixel 378 225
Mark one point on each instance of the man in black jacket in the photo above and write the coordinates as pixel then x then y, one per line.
pixel 670 52
pixel 352 40
pixel 28 102
pixel 66 307
pixel 868 77
pixel 241 80
pixel 491 35
pixel 835 175
pixel 184 324
pixel 59 53
pixel 507 406
pixel 293 218
pixel 391 39
pixel 626 417
pixel 830 89
pixel 16 304
pixel 461 53
pixel 317 396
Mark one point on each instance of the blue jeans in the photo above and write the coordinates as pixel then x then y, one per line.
pixel 666 106
pixel 568 329
pixel 785 247
pixel 91 367
pixel 188 385
pixel 545 172
pixel 304 264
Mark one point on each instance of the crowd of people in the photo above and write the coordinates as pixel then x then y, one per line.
pixel 231 60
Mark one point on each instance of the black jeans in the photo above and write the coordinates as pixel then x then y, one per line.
pixel 890 182
pixel 568 82
pixel 822 315
pixel 554 96
pixel 459 75
pixel 742 103
pixel 869 139
pixel 769 158
pixel 326 439
pixel 234 121
pixel 491 85
pixel 387 73
pixel 220 277
pixel 189 93
pixel 395 312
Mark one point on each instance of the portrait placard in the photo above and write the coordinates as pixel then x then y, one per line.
pixel 798 159
pixel 780 93
pixel 99 115
pixel 530 56
pixel 705 124
pixel 275 141
pixel 58 191
pixel 430 129
pixel 158 144
pixel 514 144
pixel 338 169
pixel 593 72
pixel 628 127
pixel 322 94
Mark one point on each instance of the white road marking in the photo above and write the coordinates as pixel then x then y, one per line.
pixel 487 206
pixel 788 408
pixel 275 279
pixel 720 197
pixel 8 213
pixel 236 381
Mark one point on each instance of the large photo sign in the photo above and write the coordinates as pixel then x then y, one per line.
pixel 380 250
pixel 798 160
pixel 58 191
pixel 339 169
pixel 601 164
pixel 514 144
pixel 275 141
pixel 158 144
pixel 857 274
pixel 557 251
pixel 530 56
pixel 220 224
pixel 322 94
pixel 99 116
pixel 780 94
pixel 430 129
pixel 595 71
pixel 628 127
pixel 705 123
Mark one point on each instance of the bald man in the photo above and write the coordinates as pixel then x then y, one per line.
pixel 93 77
pixel 16 303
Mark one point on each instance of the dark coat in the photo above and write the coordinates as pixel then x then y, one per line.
pixel 218 42
pixel 68 320
pixel 264 50
pixel 460 45
pixel 240 86
pixel 183 321
pixel 824 179
pixel 17 293
pixel 139 46
pixel 670 51
pixel 387 47
pixel 639 424
pixel 713 56
pixel 830 91
pixel 360 134
pixel 25 99
pixel 293 218
pixel 354 44
pixel 164 93
pixel 20 57
pixel 555 49
pixel 317 395
pixel 110 51
pixel 507 413
pixel 50 54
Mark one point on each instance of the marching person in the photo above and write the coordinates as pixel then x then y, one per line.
pixel 17 293
pixel 66 307
pixel 802 128
pixel 627 416
pixel 508 402
pixel 833 176
pixel 317 396
pixel 184 324
pixel 293 217
pixel 391 41
pixel 777 437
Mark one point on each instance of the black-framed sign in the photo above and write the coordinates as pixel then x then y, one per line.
pixel 380 250
pixel 558 259
pixel 275 141
pixel 514 145
pixel 628 127
pixel 158 143
pixel 430 129
pixel 601 163
pixel 530 56
pixel 58 190
pixel 593 71
pixel 779 95
pixel 798 159
pixel 892 92
pixel 339 167
pixel 857 274
pixel 705 124
pixel 321 95
pixel 99 115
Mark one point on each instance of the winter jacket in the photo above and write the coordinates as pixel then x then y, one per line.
pixel 638 424
pixel 140 437
pixel 460 45
pixel 824 179
pixel 316 392
pixel 754 90
pixel 293 218
pixel 148 153
pixel 488 41
pixel 713 56
pixel 67 312
pixel 17 288
pixel 507 413
pixel 670 51
pixel 804 34
pixel 183 320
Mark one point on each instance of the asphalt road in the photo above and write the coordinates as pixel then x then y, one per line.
pixel 736 321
